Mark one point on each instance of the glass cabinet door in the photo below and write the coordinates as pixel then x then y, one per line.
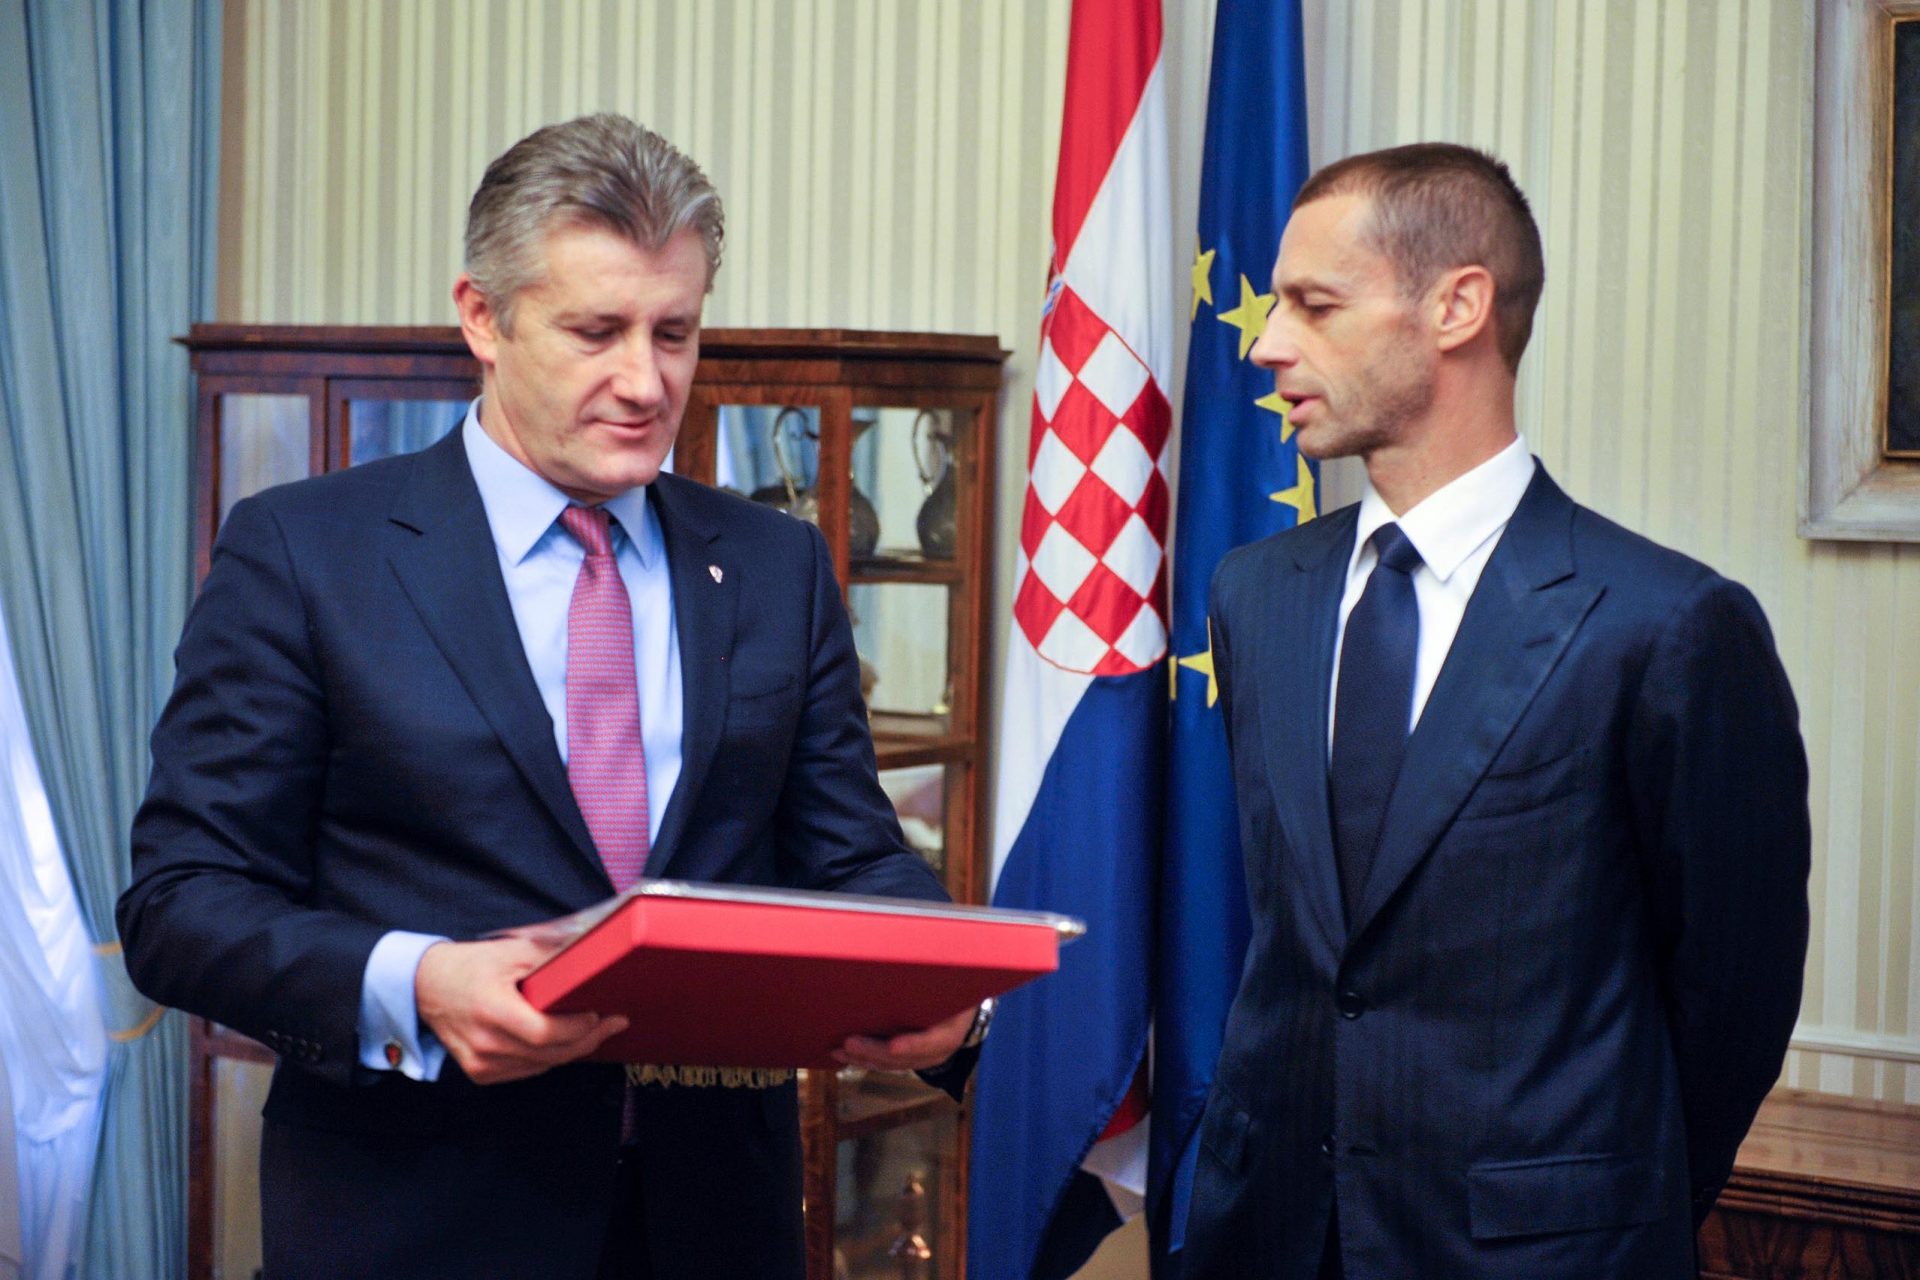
pixel 769 453
pixel 264 439
pixel 909 594
pixel 239 1093
pixel 373 418
pixel 895 1202
pixel 388 428
pixel 908 463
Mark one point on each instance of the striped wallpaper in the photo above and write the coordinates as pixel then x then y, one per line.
pixel 888 164
pixel 1665 145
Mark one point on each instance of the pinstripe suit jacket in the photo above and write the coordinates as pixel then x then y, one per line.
pixel 1577 958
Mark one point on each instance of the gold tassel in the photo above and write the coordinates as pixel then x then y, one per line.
pixel 708 1077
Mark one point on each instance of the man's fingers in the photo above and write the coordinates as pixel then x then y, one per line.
pixel 910 1050
pixel 552 1039
pixel 523 1025
pixel 518 955
pixel 909 1045
pixel 492 1058
pixel 901 1053
pixel 607 1030
pixel 469 994
pixel 573 1035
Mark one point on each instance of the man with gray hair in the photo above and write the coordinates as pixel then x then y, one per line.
pixel 438 696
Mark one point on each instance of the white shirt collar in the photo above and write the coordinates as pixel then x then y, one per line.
pixel 1452 522
pixel 522 505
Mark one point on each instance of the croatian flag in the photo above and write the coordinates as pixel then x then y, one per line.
pixel 1059 1130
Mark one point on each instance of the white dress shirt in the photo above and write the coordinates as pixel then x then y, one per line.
pixel 539 561
pixel 1455 529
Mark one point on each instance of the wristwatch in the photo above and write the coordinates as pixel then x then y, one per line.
pixel 982 1019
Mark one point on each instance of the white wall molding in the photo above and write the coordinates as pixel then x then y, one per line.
pixel 1876 1045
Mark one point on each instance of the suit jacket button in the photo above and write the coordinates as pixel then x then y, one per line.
pixel 1326 1145
pixel 1350 1004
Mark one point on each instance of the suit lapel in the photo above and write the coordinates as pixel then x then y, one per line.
pixel 1529 604
pixel 704 604
pixel 451 573
pixel 1293 706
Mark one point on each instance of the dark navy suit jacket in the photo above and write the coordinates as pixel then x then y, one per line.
pixel 355 743
pixel 1577 957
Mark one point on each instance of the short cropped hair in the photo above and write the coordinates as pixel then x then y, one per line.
pixel 1437 206
pixel 600 171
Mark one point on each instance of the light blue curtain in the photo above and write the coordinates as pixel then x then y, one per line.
pixel 108 118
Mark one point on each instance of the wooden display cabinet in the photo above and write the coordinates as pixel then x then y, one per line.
pixel 887 429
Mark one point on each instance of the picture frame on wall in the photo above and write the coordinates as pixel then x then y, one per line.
pixel 1902 421
pixel 1860 439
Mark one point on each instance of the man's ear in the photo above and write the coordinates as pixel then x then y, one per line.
pixel 479 323
pixel 1462 303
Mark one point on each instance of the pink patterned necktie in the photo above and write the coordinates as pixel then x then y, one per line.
pixel 606 757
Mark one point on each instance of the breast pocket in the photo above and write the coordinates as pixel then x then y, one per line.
pixel 1530 782
pixel 759 704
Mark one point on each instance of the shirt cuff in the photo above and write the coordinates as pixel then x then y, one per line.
pixel 391 1037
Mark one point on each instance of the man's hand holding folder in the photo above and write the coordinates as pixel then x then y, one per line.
pixel 911 1051
pixel 469 994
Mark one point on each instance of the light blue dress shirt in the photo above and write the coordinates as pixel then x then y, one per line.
pixel 539 561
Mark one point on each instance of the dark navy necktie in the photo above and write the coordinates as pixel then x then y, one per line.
pixel 1373 707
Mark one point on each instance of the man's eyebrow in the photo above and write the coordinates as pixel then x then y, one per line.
pixel 574 317
pixel 589 318
pixel 1298 289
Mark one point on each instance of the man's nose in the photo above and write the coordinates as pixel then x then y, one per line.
pixel 1274 348
pixel 637 378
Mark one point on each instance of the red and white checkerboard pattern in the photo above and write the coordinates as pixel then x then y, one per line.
pixel 1092 593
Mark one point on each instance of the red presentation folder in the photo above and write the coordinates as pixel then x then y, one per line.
pixel 734 977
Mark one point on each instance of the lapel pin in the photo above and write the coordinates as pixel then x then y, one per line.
pixel 714 569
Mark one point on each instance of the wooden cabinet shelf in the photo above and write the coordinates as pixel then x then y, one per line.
pixel 882 1101
pixel 906 566
pixel 908 752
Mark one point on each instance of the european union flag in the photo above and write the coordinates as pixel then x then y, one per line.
pixel 1241 478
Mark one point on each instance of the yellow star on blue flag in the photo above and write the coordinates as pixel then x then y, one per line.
pixel 1202 280
pixel 1203 663
pixel 1299 495
pixel 1272 403
pixel 1250 317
